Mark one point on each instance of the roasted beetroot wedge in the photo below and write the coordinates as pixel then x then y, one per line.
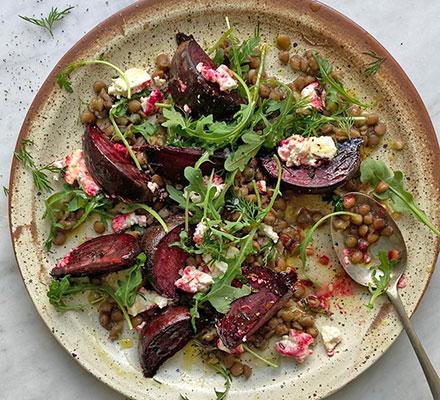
pixel 271 290
pixel 187 86
pixel 163 336
pixel 163 262
pixel 114 172
pixel 324 178
pixel 170 162
pixel 101 255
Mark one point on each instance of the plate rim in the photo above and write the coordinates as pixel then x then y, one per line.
pixel 117 20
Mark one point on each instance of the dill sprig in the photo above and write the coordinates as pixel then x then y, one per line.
pixel 47 23
pixel 41 180
pixel 373 66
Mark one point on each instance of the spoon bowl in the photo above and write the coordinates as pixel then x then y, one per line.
pixel 362 273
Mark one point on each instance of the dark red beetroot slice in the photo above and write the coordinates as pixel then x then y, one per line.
pixel 101 255
pixel 170 162
pixel 250 313
pixel 187 86
pixel 163 262
pixel 162 336
pixel 323 178
pixel 115 173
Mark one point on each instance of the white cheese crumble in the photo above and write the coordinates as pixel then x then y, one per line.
pixel 298 150
pixel 193 281
pixel 146 300
pixel 200 232
pixel 153 187
pixel 331 337
pixel 295 345
pixel 76 170
pixel 310 92
pixel 222 76
pixel 270 233
pixel 137 79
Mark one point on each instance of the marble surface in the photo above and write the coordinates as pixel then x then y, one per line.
pixel 32 363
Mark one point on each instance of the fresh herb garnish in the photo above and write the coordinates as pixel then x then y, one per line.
pixel 228 380
pixel 126 292
pixel 239 53
pixel 61 291
pixel 380 279
pixel 373 172
pixel 47 23
pixel 335 200
pixel 71 199
pixel 256 355
pixel 302 248
pixel 222 293
pixel 64 74
pixel 373 66
pixel 326 69
pixel 5 191
pixel 146 129
pixel 41 181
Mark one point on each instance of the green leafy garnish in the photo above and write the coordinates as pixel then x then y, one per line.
pixel 373 66
pixel 335 200
pixel 72 199
pixel 228 380
pixel 380 280
pixel 326 69
pixel 239 53
pixel 41 181
pixel 302 248
pixel 126 291
pixel 146 129
pixel 64 74
pixel 5 191
pixel 256 355
pixel 47 23
pixel 222 293
pixel 400 200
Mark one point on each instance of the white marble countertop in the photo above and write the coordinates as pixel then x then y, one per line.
pixel 32 364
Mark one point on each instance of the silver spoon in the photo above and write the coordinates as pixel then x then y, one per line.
pixel 363 275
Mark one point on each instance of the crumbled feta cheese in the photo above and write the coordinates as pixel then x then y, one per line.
pixel 216 267
pixel 262 186
pixel 238 350
pixel 146 300
pixel 222 76
pixel 148 103
pixel 193 281
pixel 137 79
pixel 200 232
pixel 295 345
pixel 76 170
pixel 331 337
pixel 270 233
pixel 158 82
pixel 153 187
pixel 232 252
pixel 124 221
pixel 298 150
pixel 187 109
pixel 315 93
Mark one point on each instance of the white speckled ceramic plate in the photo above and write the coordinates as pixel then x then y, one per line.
pixel 133 37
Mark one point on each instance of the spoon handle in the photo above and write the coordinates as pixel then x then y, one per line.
pixel 428 369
